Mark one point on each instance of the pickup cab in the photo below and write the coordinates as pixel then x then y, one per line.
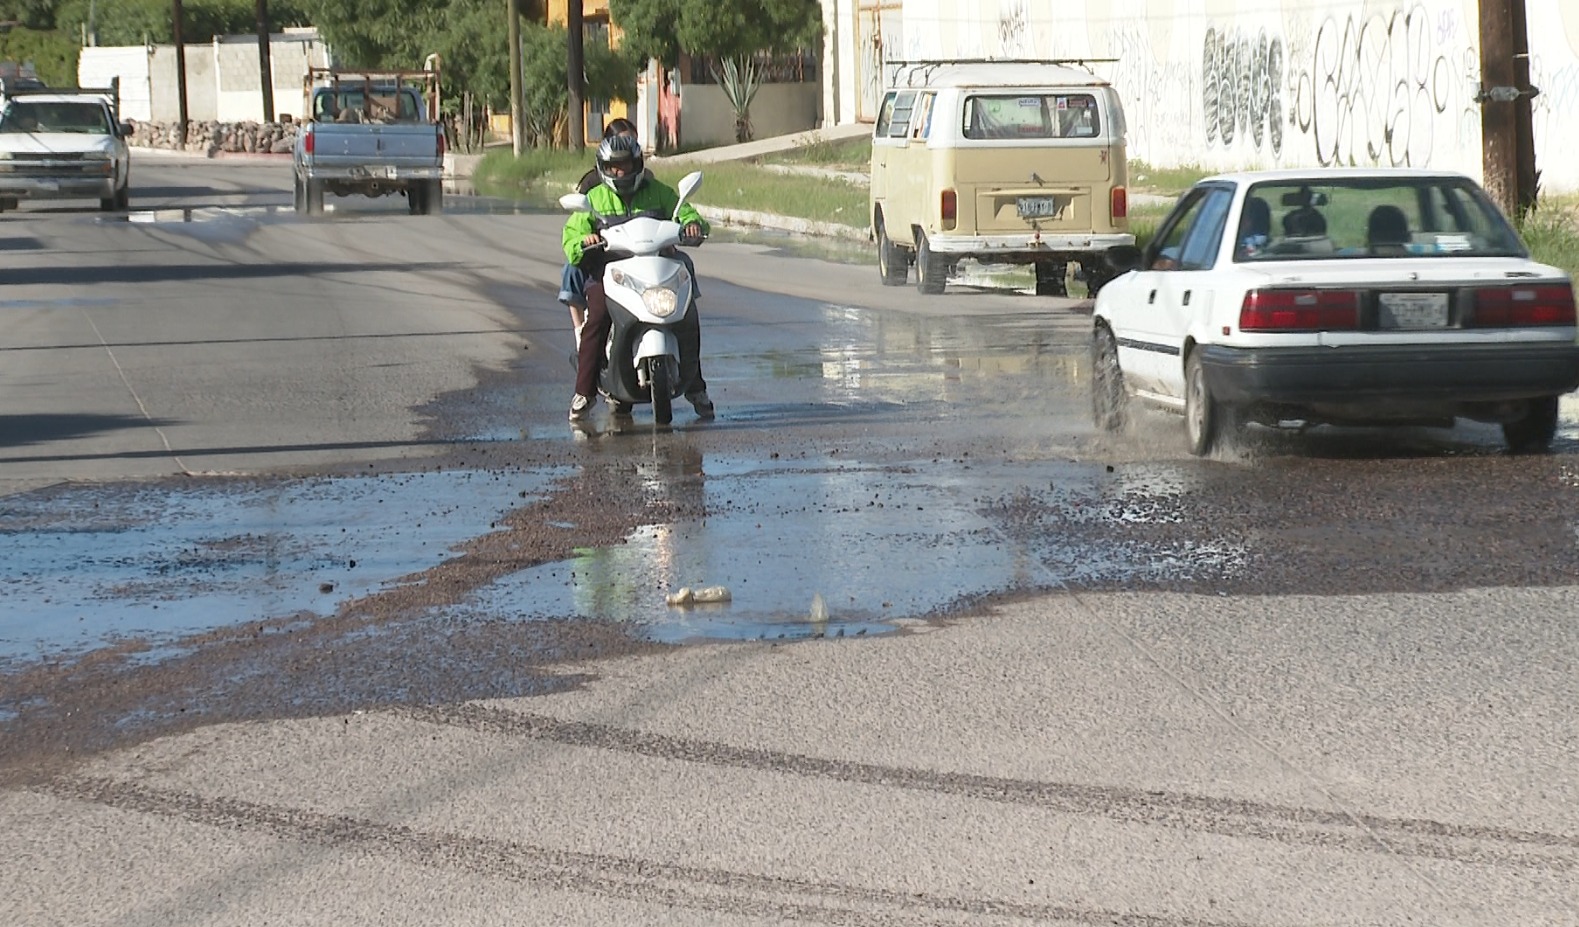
pixel 64 143
pixel 368 135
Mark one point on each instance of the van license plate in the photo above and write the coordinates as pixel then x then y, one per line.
pixel 1413 310
pixel 1037 207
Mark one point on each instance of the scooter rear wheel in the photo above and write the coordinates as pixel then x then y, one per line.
pixel 662 395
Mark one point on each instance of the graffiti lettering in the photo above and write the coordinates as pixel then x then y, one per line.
pixel 1373 91
pixel 1240 80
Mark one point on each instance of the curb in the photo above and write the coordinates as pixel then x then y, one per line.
pixel 742 217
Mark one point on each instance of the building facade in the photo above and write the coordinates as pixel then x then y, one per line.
pixel 1225 84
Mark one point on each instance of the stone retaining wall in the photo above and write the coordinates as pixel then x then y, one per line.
pixel 216 137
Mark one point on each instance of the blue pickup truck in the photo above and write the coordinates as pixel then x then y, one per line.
pixel 368 134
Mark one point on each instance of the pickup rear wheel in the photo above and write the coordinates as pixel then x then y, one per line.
pixel 314 196
pixel 416 199
pixel 433 197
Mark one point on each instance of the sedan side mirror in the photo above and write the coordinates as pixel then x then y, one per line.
pixel 1123 258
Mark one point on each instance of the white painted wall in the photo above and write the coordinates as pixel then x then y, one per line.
pixel 1228 84
pixel 222 78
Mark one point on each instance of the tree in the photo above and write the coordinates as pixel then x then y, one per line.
pixel 732 36
pixel 611 75
pixel 133 22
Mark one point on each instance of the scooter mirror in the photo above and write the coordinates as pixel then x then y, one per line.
pixel 576 202
pixel 689 183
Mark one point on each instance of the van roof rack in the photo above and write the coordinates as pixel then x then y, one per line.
pixel 924 68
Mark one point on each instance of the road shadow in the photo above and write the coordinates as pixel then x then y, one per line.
pixel 151 273
pixel 24 430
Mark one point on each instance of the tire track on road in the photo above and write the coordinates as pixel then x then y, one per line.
pixel 623 878
pixel 1337 830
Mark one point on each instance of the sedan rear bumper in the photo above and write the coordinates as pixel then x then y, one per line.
pixel 1357 375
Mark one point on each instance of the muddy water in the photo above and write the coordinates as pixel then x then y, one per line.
pixel 89 566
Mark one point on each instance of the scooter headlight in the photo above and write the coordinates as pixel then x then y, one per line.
pixel 660 301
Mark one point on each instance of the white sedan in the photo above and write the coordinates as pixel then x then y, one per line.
pixel 1336 296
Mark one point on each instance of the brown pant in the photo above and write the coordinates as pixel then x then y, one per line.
pixel 595 336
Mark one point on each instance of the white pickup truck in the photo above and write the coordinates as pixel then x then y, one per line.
pixel 368 134
pixel 64 143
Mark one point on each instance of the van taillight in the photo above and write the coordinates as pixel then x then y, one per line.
pixel 949 208
pixel 307 141
pixel 1299 310
pixel 1119 203
pixel 1507 306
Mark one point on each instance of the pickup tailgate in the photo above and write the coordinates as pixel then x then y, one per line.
pixel 399 145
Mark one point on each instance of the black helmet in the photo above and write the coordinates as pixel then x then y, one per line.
pixel 624 151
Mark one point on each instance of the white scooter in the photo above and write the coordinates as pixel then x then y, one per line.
pixel 650 295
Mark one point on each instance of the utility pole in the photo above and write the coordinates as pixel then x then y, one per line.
pixel 265 69
pixel 1524 113
pixel 180 71
pixel 517 106
pixel 1507 134
pixel 575 75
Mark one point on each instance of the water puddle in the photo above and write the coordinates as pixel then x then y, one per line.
pixel 88 566
pixel 818 551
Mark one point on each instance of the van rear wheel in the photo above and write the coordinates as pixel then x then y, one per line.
pixel 931 269
pixel 892 264
pixel 1052 278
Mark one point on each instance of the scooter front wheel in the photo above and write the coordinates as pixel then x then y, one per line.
pixel 662 394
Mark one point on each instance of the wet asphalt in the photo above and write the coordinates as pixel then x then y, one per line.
pixel 871 466
pixel 391 523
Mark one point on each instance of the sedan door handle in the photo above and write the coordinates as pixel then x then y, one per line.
pixel 1186 297
pixel 1152 298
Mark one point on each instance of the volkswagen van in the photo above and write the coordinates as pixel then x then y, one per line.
pixel 1003 162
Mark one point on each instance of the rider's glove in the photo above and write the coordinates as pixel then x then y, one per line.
pixel 691 235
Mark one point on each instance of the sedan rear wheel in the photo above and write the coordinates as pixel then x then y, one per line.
pixel 1208 423
pixel 1534 432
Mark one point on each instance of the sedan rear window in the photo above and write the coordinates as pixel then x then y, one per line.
pixel 1322 219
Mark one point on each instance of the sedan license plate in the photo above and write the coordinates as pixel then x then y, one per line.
pixel 1414 310
pixel 1037 207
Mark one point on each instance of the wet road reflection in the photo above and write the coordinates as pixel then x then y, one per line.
pixel 89 566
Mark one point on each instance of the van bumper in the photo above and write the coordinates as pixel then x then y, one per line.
pixel 1025 247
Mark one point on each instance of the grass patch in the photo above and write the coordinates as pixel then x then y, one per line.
pixel 540 176
pixel 1552 233
pixel 1164 180
pixel 849 152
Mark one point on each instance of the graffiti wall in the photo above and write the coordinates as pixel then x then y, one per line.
pixel 1224 84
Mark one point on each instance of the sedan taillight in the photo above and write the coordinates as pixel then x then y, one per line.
pixel 1518 306
pixel 1299 310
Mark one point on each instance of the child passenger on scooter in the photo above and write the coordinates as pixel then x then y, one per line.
pixel 626 187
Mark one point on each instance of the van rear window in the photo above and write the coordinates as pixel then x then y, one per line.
pixel 1031 115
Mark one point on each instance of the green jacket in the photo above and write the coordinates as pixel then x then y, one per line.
pixel 654 194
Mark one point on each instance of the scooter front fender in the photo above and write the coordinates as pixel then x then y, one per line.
pixel 656 342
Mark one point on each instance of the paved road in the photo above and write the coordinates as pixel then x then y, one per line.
pixel 1324 679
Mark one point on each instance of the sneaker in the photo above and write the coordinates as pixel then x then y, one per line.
pixel 702 405
pixel 580 406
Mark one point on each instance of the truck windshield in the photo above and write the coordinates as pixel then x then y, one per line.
pixel 81 118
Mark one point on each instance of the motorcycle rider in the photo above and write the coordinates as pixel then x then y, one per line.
pixel 627 188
